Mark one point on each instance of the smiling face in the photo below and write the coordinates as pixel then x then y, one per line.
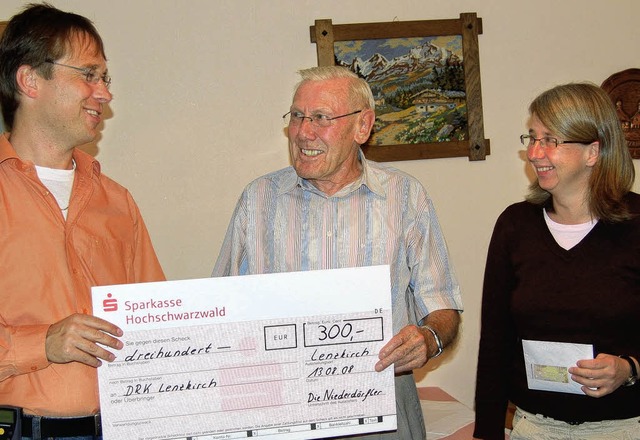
pixel 70 108
pixel 564 170
pixel 328 156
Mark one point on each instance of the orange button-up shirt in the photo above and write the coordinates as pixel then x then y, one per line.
pixel 47 268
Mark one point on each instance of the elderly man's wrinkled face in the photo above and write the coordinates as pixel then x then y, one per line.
pixel 327 156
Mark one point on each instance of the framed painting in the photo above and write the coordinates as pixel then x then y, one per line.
pixel 425 77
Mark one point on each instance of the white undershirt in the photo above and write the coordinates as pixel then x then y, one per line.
pixel 59 183
pixel 567 236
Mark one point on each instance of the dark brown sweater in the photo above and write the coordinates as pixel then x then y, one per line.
pixel 534 289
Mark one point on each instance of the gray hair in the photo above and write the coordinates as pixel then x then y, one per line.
pixel 359 93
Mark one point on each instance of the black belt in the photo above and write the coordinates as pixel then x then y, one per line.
pixel 62 426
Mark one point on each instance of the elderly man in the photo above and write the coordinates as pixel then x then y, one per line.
pixel 334 209
pixel 64 226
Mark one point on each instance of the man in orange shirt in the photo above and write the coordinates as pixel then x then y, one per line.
pixel 64 226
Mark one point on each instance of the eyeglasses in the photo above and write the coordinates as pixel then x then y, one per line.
pixel 319 120
pixel 90 73
pixel 546 141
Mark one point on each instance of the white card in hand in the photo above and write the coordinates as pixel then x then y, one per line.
pixel 547 364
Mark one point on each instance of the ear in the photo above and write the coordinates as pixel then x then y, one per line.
pixel 27 80
pixel 593 153
pixel 365 124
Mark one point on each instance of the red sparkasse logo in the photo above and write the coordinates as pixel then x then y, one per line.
pixel 109 304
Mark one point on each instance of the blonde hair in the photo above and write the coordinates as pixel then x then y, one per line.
pixel 359 93
pixel 583 111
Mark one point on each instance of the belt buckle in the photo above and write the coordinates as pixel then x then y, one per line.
pixel 97 425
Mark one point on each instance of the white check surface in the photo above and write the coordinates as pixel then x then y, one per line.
pixel 286 356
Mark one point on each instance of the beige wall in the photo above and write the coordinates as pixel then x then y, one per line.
pixel 200 87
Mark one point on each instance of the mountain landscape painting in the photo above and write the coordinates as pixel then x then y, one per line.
pixel 418 85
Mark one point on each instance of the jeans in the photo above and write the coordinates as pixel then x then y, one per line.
pixel 527 426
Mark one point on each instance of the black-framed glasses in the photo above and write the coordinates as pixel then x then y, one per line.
pixel 90 73
pixel 319 120
pixel 546 141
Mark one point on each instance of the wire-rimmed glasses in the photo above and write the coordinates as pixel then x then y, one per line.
pixel 90 73
pixel 295 118
pixel 546 141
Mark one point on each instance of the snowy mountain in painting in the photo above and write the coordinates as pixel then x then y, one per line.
pixel 427 55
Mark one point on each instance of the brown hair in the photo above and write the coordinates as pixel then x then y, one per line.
pixel 39 33
pixel 583 111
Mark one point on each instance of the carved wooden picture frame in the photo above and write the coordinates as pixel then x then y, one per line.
pixel 453 120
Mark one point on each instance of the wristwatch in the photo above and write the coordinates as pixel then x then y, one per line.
pixel 633 379
pixel 438 341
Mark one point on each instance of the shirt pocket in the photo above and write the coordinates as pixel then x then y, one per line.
pixel 110 261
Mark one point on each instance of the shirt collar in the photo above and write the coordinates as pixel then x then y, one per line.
pixel 6 149
pixel 84 162
pixel 368 178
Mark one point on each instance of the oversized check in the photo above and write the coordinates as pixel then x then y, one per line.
pixel 280 356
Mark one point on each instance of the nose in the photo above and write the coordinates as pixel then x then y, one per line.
pixel 101 92
pixel 305 129
pixel 535 150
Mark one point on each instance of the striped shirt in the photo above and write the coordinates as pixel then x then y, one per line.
pixel 282 223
